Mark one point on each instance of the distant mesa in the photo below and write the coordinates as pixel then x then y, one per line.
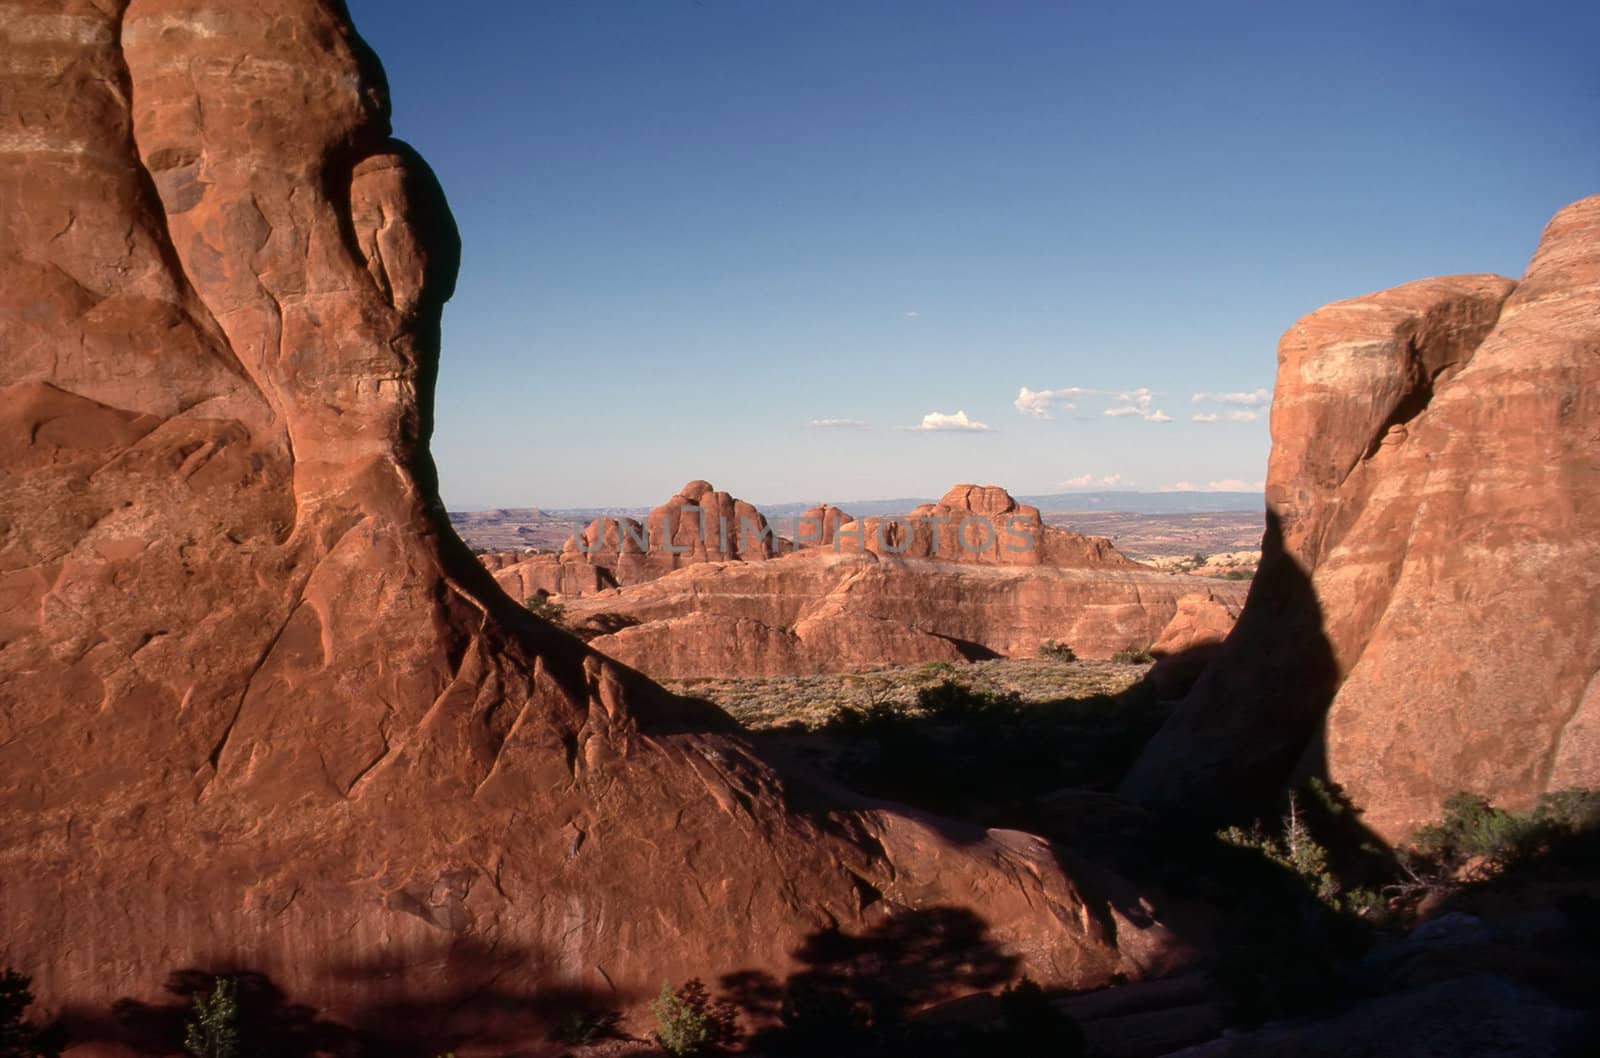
pixel 974 575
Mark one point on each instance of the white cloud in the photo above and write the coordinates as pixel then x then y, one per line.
pixel 1243 415
pixel 836 424
pixel 1139 403
pixel 1253 399
pixel 1040 403
pixel 1088 481
pixel 1225 485
pixel 1207 416
pixel 912 315
pixel 941 421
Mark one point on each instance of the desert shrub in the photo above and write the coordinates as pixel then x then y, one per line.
pixel 1238 574
pixel 689 1023
pixel 955 702
pixel 874 718
pixel 578 1027
pixel 1056 651
pixel 1473 832
pixel 1133 656
pixel 1574 811
pixel 1472 828
pixel 20 1038
pixel 1292 848
pixel 213 1031
pixel 540 605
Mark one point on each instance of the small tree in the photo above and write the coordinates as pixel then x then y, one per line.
pixel 541 605
pixel 213 1032
pixel 20 1038
pixel 689 1023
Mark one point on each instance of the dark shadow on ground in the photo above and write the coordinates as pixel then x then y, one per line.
pixel 397 1019
pixel 877 994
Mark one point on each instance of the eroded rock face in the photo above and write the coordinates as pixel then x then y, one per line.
pixel 1432 557
pixel 975 575
pixel 819 525
pixel 839 612
pixel 259 708
pixel 979 525
pixel 699 524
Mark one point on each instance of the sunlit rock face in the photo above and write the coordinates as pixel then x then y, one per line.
pixel 1433 558
pixel 706 587
pixel 259 708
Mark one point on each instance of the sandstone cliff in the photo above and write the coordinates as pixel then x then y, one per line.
pixel 258 706
pixel 1424 618
pixel 976 575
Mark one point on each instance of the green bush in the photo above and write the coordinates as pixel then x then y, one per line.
pixel 689 1023
pixel 1133 656
pixel 540 606
pixel 1294 849
pixel 20 1038
pixel 1473 829
pixel 955 702
pixel 213 1032
pixel 1056 651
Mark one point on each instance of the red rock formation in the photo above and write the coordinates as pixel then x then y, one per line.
pixel 699 524
pixel 979 524
pixel 524 576
pixel 845 612
pixel 819 526
pixel 975 575
pixel 1191 641
pixel 1432 559
pixel 259 708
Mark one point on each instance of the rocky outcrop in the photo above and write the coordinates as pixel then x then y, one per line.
pixel 845 612
pixel 979 525
pixel 819 526
pixel 699 524
pixel 259 708
pixel 1423 618
pixel 1192 640
pixel 524 576
pixel 975 575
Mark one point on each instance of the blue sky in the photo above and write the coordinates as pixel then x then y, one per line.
pixel 693 230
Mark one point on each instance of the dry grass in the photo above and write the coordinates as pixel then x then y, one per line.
pixel 778 701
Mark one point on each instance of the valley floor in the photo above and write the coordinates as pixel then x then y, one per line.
pixel 779 701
